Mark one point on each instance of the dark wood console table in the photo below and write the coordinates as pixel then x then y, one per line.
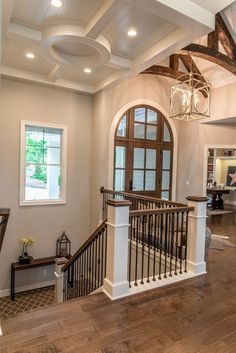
pixel 217 203
pixel 15 266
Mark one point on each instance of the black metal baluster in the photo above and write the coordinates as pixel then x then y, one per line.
pixel 84 272
pixel 76 278
pixel 89 270
pixel 186 242
pixel 79 284
pixel 143 246
pixel 130 249
pixel 181 243
pixel 102 260
pixel 176 243
pixel 149 245
pixel 154 248
pixel 160 244
pixel 166 239
pixel 105 271
pixel 169 236
pixel 136 253
pixel 171 241
pixel 95 260
pixel 92 272
pixel 99 259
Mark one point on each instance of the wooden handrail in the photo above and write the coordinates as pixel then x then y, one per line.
pixel 4 214
pixel 83 247
pixel 143 197
pixel 161 211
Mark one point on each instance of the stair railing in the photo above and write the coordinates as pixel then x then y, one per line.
pixel 158 244
pixel 138 202
pixel 86 269
pixel 4 215
pixel 148 239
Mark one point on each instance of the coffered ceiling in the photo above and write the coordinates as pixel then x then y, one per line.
pixel 93 34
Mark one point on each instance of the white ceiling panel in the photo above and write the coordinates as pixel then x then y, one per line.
pixel 150 30
pixel 14 56
pixel 91 79
pixel 93 34
pixel 38 13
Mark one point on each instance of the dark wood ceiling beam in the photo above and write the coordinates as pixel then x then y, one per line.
pixel 174 62
pixel 191 66
pixel 171 73
pixel 225 37
pixel 211 55
pixel 213 40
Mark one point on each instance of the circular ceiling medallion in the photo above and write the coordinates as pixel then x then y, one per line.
pixel 66 45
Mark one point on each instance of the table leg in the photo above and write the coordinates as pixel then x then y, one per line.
pixel 12 283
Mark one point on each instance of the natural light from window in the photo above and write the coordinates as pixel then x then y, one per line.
pixel 42 149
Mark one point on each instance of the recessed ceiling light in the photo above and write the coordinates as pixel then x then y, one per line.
pixel 30 55
pixel 56 3
pixel 132 33
pixel 87 70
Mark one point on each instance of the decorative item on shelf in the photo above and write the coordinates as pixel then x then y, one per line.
pixel 25 258
pixel 190 98
pixel 63 246
pixel 231 177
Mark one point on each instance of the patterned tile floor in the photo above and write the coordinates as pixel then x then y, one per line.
pixel 26 301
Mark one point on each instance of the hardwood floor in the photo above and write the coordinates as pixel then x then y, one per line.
pixel 196 316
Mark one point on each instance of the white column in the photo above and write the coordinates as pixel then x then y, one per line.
pixel 59 278
pixel 196 234
pixel 116 283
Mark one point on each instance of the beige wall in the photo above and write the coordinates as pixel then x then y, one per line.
pixel 191 136
pixel 25 101
pixel 191 162
pixel 91 123
pixel 108 105
pixel 223 102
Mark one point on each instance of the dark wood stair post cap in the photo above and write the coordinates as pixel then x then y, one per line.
pixel 119 203
pixel 197 198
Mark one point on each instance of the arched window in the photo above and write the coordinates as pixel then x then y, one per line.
pixel 143 153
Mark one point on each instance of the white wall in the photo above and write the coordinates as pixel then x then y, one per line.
pixel 25 101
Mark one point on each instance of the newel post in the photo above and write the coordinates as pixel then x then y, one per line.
pixel 59 278
pixel 116 283
pixel 197 234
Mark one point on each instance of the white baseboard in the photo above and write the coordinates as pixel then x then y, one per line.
pixel 6 292
pixel 230 202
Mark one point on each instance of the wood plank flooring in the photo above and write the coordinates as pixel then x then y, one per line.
pixel 196 316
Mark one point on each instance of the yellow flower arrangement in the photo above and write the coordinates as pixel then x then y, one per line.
pixel 25 243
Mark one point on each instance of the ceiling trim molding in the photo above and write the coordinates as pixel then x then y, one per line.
pixel 40 79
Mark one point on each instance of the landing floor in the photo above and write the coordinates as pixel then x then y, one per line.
pixel 197 316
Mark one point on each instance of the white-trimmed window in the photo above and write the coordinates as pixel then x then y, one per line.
pixel 43 163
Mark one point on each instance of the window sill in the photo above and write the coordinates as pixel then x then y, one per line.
pixel 42 203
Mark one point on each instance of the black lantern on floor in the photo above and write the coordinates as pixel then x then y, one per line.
pixel 63 246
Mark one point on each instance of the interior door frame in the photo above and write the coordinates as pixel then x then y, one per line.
pixel 205 156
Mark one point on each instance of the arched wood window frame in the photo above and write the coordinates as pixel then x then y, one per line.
pixel 129 140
